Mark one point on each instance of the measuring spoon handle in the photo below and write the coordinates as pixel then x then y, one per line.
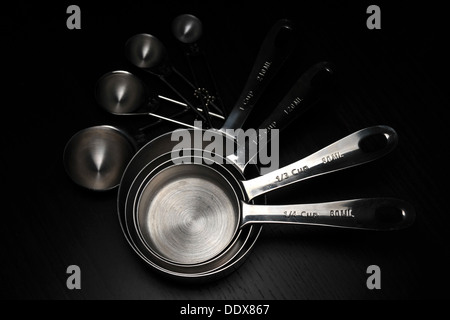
pixel 357 148
pixel 380 214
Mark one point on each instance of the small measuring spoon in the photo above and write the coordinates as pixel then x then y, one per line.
pixel 96 157
pixel 148 53
pixel 122 93
pixel 188 30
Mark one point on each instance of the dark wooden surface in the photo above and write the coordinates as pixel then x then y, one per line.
pixel 393 76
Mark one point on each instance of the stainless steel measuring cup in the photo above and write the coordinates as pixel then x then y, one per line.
pixel 157 154
pixel 215 176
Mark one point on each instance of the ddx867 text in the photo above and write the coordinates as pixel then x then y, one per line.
pixel 246 309
pixel 229 309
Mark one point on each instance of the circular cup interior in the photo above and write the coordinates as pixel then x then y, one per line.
pixel 188 213
pixel 131 229
pixel 154 156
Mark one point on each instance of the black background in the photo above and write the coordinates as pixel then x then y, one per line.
pixel 393 76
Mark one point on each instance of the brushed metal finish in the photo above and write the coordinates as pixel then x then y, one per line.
pixel 145 51
pixel 220 265
pixel 187 213
pixel 175 223
pixel 120 92
pixel 96 157
pixel 377 214
pixel 143 164
pixel 342 154
pixel 157 246
pixel 191 225
pixel 187 28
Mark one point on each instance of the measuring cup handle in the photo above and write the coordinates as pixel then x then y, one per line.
pixel 274 51
pixel 380 214
pixel 356 149
pixel 308 89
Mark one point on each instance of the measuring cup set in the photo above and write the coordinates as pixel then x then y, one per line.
pixel 193 214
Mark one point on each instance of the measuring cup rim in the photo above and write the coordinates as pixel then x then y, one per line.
pixel 224 184
pixel 140 158
pixel 248 234
pixel 133 172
